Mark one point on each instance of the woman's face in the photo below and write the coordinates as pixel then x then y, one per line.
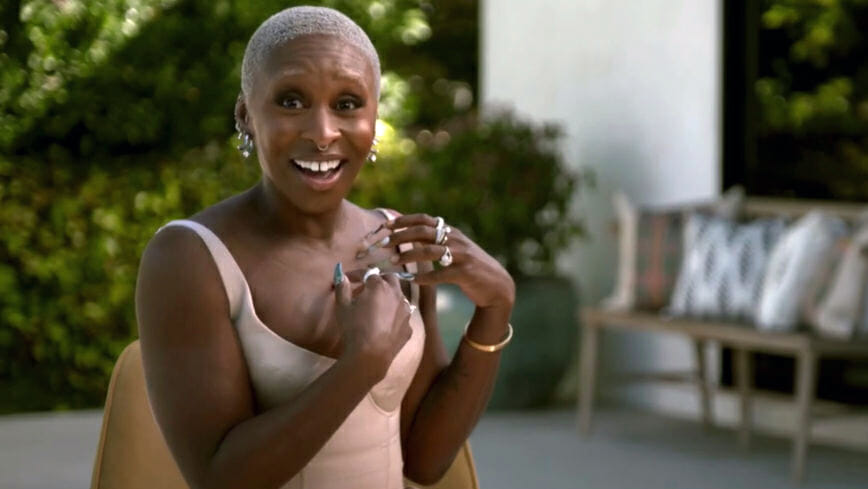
pixel 313 91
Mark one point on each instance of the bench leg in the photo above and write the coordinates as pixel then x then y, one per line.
pixel 587 375
pixel 806 383
pixel 702 383
pixel 744 381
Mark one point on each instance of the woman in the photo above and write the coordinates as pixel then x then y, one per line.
pixel 266 365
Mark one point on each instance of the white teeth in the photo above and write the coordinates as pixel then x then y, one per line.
pixel 318 166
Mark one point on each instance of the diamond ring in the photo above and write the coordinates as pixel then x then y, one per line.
pixel 446 257
pixel 371 272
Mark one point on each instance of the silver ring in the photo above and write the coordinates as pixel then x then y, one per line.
pixel 371 272
pixel 446 258
pixel 322 148
pixel 411 307
pixel 444 238
pixel 441 231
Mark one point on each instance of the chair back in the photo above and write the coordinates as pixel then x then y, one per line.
pixel 132 453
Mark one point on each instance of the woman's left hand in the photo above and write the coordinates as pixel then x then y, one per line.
pixel 482 279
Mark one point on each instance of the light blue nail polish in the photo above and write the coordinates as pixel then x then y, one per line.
pixel 405 276
pixel 339 274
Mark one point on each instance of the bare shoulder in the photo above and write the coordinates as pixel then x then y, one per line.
pixel 177 268
pixel 195 371
pixel 176 271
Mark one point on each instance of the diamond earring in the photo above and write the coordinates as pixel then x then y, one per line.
pixel 245 144
pixel 372 155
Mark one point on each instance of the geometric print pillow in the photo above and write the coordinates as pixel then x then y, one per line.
pixel 723 267
pixel 650 247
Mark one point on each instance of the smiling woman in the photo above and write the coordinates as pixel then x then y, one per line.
pixel 266 364
pixel 311 111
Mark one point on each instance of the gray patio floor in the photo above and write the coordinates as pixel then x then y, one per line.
pixel 629 449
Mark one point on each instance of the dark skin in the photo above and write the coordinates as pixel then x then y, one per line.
pixel 287 237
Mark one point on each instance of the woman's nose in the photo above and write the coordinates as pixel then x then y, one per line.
pixel 322 126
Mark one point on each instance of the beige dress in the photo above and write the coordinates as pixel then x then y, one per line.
pixel 365 452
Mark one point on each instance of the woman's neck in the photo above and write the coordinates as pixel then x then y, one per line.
pixel 283 218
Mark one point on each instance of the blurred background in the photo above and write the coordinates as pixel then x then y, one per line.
pixel 515 120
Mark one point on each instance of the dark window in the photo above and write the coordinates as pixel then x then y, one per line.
pixel 796 98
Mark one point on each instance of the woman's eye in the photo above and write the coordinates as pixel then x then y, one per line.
pixel 291 103
pixel 348 104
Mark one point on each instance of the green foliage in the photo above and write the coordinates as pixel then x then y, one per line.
pixel 69 255
pixel 817 79
pixel 812 95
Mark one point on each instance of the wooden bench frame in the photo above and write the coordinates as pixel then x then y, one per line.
pixel 805 347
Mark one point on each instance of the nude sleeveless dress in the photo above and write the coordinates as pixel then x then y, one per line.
pixel 365 452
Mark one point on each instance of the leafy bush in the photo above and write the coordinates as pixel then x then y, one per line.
pixel 69 255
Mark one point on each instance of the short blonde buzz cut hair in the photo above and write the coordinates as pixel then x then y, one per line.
pixel 295 22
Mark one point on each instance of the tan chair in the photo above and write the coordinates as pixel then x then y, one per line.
pixel 133 455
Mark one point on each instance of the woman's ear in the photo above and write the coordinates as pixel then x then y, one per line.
pixel 242 122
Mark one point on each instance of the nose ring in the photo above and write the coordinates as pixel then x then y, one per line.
pixel 322 148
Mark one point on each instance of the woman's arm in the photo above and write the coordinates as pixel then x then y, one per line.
pixel 198 382
pixel 446 399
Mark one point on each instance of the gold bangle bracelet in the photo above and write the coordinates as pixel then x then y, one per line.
pixel 488 348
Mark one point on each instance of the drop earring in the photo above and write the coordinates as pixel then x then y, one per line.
pixel 245 145
pixel 372 155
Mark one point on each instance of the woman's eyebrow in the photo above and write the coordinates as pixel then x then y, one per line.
pixel 351 76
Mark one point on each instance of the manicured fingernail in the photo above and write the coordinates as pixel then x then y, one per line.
pixel 409 277
pixel 375 231
pixel 339 274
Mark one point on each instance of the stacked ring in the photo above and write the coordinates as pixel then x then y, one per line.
pixel 370 273
pixel 441 231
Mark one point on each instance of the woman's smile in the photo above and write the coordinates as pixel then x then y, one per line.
pixel 320 173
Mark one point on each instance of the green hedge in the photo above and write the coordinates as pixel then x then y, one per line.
pixel 69 255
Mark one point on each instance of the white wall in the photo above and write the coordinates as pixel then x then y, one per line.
pixel 636 85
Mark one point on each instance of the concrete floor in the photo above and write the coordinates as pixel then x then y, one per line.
pixel 629 449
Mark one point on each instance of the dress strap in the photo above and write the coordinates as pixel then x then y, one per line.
pixel 230 273
pixel 403 247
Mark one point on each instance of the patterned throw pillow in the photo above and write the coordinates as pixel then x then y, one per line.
pixel 723 267
pixel 650 247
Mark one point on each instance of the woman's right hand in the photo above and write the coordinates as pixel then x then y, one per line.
pixel 375 320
